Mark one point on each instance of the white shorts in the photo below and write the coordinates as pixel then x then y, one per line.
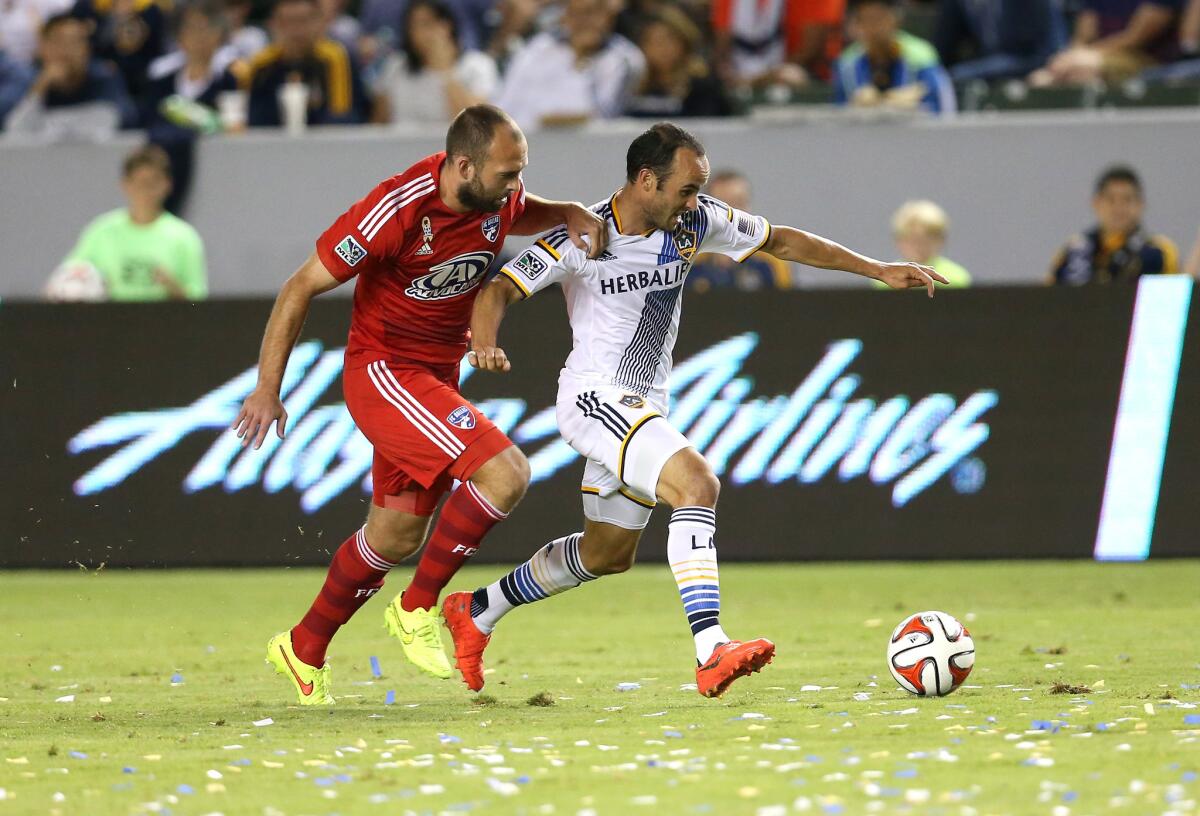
pixel 627 441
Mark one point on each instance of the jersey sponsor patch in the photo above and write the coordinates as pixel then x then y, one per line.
pixel 529 264
pixel 451 278
pixel 461 417
pixel 491 228
pixel 350 251
pixel 633 401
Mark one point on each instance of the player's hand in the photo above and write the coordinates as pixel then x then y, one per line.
pixel 582 222
pixel 489 358
pixel 259 410
pixel 908 276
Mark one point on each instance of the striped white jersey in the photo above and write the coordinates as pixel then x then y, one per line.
pixel 624 306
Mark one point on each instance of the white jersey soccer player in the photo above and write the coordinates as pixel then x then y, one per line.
pixel 624 308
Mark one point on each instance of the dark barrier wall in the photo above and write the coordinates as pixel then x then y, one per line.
pixel 844 425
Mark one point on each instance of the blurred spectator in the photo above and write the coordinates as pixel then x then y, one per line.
pixel 677 81
pixel 997 39
pixel 199 71
pixel 433 78
pixel 1114 40
pixel 245 38
pixel 130 34
pixel 299 52
pixel 339 25
pixel 184 87
pixel 1188 65
pixel 587 72
pixel 814 35
pixel 514 23
pixel 889 67
pixel 141 251
pixel 1118 248
pixel 15 79
pixel 381 24
pixel 20 21
pixel 759 271
pixel 920 229
pixel 750 43
pixel 72 96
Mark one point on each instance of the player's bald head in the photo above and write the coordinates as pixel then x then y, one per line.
pixel 474 129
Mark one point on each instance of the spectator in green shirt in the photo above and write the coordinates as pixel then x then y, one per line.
pixel 920 228
pixel 143 252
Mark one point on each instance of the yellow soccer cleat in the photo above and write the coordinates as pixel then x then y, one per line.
pixel 312 684
pixel 420 633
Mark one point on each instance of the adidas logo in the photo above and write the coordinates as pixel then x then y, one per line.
pixel 606 256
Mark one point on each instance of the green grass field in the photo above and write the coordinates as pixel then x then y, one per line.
pixel 91 721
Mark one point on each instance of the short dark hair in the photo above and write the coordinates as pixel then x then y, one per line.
pixel 855 5
pixel 439 9
pixel 471 132
pixel 148 155
pixel 655 150
pixel 1118 173
pixel 213 11
pixel 55 20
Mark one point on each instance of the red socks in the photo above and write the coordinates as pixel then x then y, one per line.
pixel 355 574
pixel 465 520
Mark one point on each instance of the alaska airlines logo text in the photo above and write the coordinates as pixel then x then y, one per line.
pixel 822 430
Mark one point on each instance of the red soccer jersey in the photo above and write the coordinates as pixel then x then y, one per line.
pixel 419 265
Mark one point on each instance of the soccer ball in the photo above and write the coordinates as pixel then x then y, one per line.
pixel 76 281
pixel 930 654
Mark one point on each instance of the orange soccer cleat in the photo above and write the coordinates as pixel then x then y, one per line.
pixel 732 660
pixel 469 642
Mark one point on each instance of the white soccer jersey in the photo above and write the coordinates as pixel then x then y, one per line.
pixel 624 306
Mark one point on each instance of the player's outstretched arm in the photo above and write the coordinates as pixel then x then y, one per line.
pixel 541 214
pixel 486 317
pixel 264 406
pixel 791 244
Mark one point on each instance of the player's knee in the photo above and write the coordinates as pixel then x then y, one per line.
pixel 702 488
pixel 612 561
pixel 504 478
pixel 393 543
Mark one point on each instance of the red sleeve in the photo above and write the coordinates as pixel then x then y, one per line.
pixel 365 234
pixel 722 15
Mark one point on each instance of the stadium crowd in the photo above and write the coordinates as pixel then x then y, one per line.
pixel 83 68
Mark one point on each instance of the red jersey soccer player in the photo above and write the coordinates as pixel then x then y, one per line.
pixel 420 244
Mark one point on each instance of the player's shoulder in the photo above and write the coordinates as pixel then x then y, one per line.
pixel 404 193
pixel 716 206
pixel 113 219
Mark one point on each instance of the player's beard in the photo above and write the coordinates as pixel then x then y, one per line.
pixel 474 197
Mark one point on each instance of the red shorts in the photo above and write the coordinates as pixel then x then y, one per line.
pixel 424 432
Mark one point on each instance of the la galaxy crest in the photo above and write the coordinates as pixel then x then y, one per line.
pixel 686 241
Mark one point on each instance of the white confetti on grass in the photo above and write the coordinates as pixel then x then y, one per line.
pixel 264 722
pixel 66 698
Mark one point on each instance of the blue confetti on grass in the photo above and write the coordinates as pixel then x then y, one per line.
pixel 375 670
pixel 1189 776
pixel 448 739
pixel 1070 796
pixel 186 790
pixel 523 780
pixel 242 762
pixel 906 773
pixel 344 778
pixel 673 734
pixel 833 808
pixel 323 781
pixel 129 769
pixel 1191 719
pixel 1102 727
pixel 389 698
pixel 176 678
pixel 78 755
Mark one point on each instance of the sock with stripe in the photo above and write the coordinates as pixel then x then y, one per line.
pixel 465 520
pixel 355 574
pixel 554 568
pixel 692 553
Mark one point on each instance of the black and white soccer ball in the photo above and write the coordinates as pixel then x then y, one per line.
pixel 930 654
